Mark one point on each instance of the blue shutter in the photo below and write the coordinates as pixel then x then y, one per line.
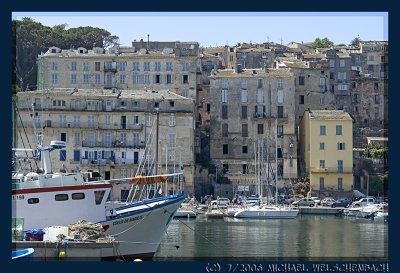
pixel 86 155
pixel 102 154
pixel 95 155
pixel 77 155
pixel 63 155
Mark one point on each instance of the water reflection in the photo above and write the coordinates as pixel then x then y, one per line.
pixel 304 238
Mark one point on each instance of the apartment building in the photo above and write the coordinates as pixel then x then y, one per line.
pixel 123 68
pixel 326 150
pixel 107 130
pixel 249 107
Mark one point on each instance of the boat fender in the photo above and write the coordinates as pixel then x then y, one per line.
pixel 137 260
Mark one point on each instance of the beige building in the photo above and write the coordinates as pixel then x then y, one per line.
pixel 123 68
pixel 247 108
pixel 326 149
pixel 107 130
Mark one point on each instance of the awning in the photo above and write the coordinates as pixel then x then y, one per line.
pixel 143 180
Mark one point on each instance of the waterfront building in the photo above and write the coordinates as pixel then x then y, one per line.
pixel 106 131
pixel 247 107
pixel 326 149
pixel 169 65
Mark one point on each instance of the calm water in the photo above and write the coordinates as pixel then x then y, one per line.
pixel 310 238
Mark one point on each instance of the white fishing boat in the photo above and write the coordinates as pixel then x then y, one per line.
pixel 44 199
pixel 362 211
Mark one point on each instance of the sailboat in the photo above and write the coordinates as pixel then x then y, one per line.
pixel 44 198
pixel 268 211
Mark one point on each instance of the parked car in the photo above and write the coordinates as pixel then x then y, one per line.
pixel 316 200
pixel 364 201
pixel 344 203
pixel 223 202
pixel 304 202
pixel 327 202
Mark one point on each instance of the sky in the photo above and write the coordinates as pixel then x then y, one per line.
pixel 221 28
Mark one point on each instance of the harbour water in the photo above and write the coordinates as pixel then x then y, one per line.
pixel 306 238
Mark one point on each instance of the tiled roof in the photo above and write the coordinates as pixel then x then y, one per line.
pixel 329 115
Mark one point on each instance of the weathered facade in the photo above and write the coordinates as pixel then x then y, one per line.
pixel 249 107
pixel 123 68
pixel 108 131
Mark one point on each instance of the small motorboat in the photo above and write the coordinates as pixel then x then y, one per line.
pixel 22 254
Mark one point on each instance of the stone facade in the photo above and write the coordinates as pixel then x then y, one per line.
pixel 249 107
pixel 108 131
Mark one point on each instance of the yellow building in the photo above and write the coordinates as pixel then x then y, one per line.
pixel 326 149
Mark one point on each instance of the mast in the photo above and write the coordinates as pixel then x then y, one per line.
pixel 157 130
pixel 276 162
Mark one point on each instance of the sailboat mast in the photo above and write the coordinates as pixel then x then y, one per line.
pixel 276 162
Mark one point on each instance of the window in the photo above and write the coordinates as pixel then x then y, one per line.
pixel 243 84
pixel 331 63
pixel 371 58
pixel 91 121
pixel 85 66
pixel 340 183
pixel 78 196
pixel 280 84
pixel 342 87
pixel 322 130
pixel 224 112
pixel 244 150
pixel 342 75
pixel 54 66
pixel 260 129
pixel 185 79
pixel 146 66
pixel 338 130
pixel 63 136
pixel 63 121
pixel 171 121
pixel 61 197
pixel 124 195
pixel 73 78
pixel 301 99
pixel 135 66
pixel 168 66
pixel 224 130
pixel 331 75
pixel 260 96
pixel 321 100
pixel 54 78
pixel 157 66
pixel 301 80
pixel 136 79
pixel 341 146
pixel 342 63
pixel 122 78
pixel 136 140
pixel 171 103
pixel 224 149
pixel 260 83
pixel 245 132
pixel 225 168
pixel 169 78
pixel 322 145
pixel 149 121
pixel 185 66
pixel 244 96
pixel 171 155
pixel 340 166
pixel 172 139
pixel 280 111
pixel 33 200
pixel 322 163
pixel 97 78
pixel 86 78
pixel 73 66
pixel 280 96
pixel 224 83
pixel 244 168
pixel 321 183
pixel 97 66
pixel 77 138
pixel 279 130
pixel 121 66
pixel 244 111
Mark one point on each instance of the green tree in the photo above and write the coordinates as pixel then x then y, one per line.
pixel 322 43
pixel 30 38
pixel 356 41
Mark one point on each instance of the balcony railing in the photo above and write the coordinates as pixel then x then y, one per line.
pixel 114 143
pixel 331 170
pixel 264 115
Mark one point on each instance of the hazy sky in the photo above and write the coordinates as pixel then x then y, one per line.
pixel 220 28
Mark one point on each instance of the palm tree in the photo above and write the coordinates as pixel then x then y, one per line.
pixel 356 41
